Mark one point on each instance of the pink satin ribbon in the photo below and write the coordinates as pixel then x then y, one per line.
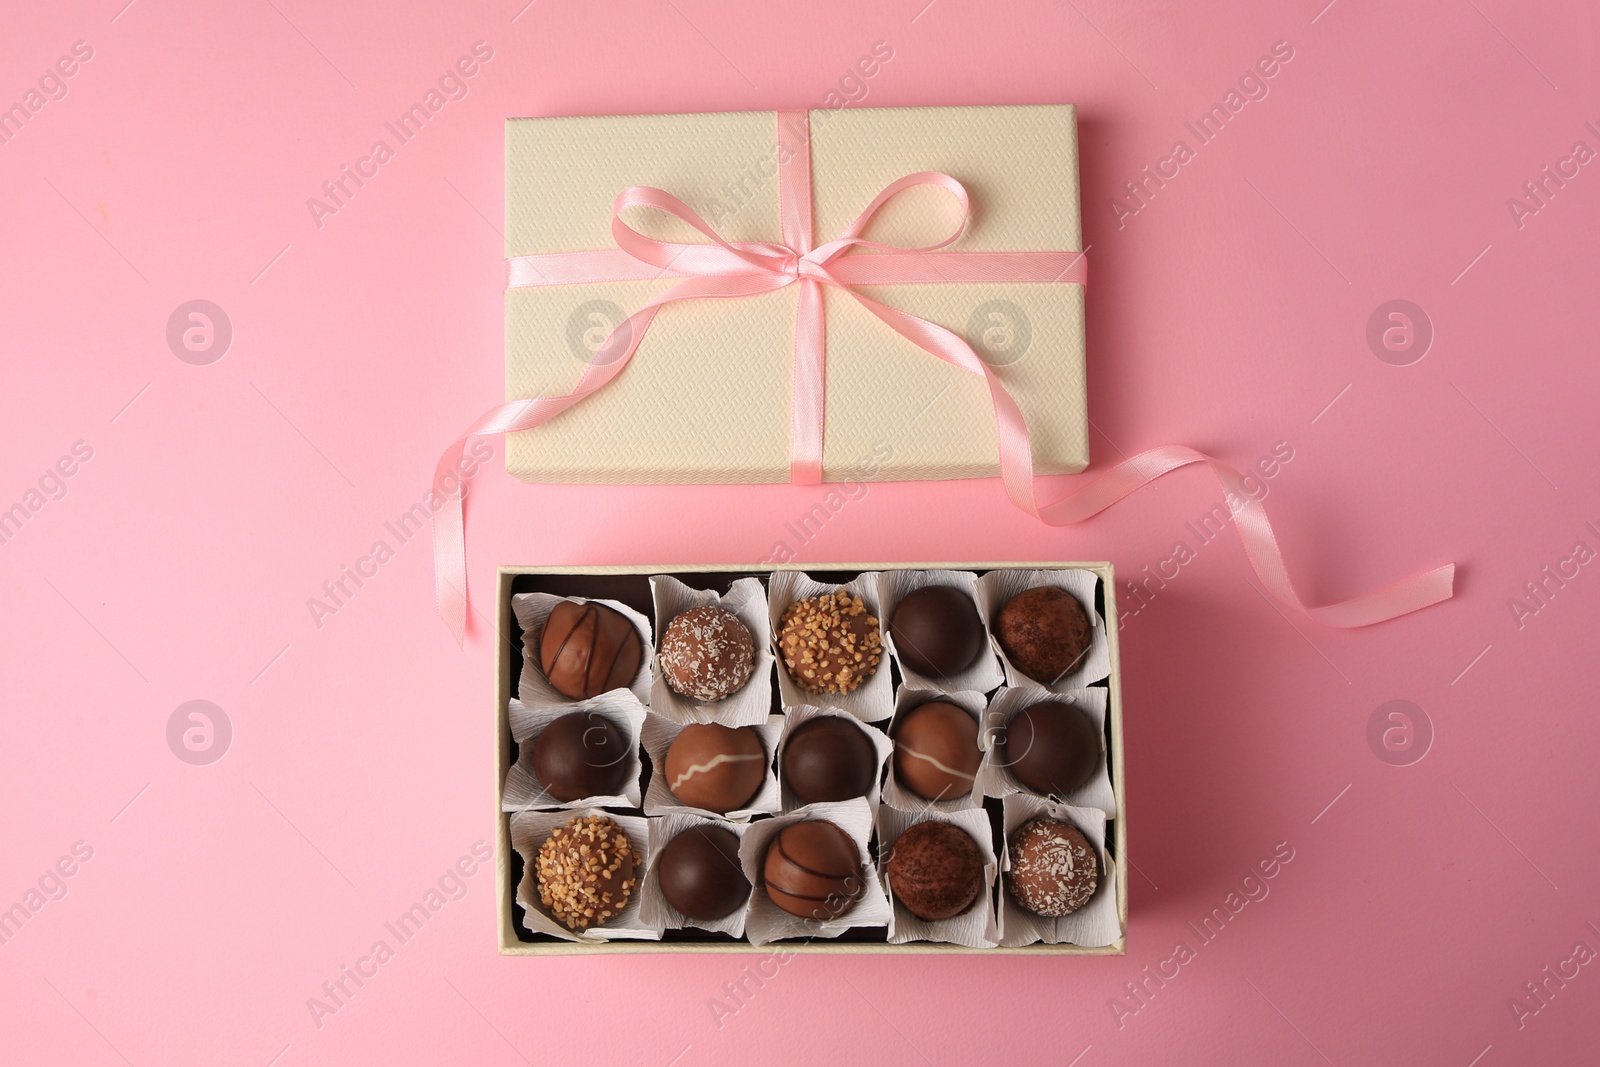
pixel 747 268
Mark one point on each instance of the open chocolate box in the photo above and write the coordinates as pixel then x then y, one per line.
pixel 998 804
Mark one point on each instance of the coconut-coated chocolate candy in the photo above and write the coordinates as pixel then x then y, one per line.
pixel 935 870
pixel 829 758
pixel 1054 869
pixel 936 753
pixel 586 872
pixel 1044 632
pixel 830 644
pixel 937 631
pixel 700 873
pixel 715 767
pixel 1052 748
pixel 581 754
pixel 813 869
pixel 706 654
pixel 588 649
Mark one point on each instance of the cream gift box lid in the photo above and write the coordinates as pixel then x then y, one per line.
pixel 706 396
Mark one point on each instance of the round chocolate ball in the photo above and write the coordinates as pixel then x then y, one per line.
pixel 586 871
pixel 700 873
pixel 1044 632
pixel 936 631
pixel 706 654
pixel 829 758
pixel 581 754
pixel 830 644
pixel 588 649
pixel 935 870
pixel 1051 748
pixel 936 753
pixel 715 767
pixel 1054 869
pixel 813 869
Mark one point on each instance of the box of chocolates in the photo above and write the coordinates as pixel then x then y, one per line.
pixel 833 758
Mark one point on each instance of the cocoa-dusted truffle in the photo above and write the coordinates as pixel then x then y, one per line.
pixel 706 654
pixel 586 872
pixel 829 758
pixel 587 649
pixel 1052 748
pixel 582 754
pixel 700 873
pixel 935 870
pixel 718 768
pixel 1054 869
pixel 936 753
pixel 1044 632
pixel 937 631
pixel 830 644
pixel 813 869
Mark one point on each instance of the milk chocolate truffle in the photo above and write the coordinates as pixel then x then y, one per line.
pixel 937 631
pixel 706 654
pixel 935 870
pixel 1052 748
pixel 936 753
pixel 718 768
pixel 587 649
pixel 829 643
pixel 700 873
pixel 586 872
pixel 1054 869
pixel 1044 632
pixel 829 758
pixel 813 869
pixel 582 754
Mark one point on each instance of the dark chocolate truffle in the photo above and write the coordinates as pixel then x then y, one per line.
pixel 813 869
pixel 718 768
pixel 1044 632
pixel 587 649
pixel 1054 869
pixel 936 753
pixel 829 643
pixel 582 754
pixel 829 758
pixel 937 631
pixel 935 870
pixel 706 654
pixel 700 873
pixel 586 872
pixel 1052 748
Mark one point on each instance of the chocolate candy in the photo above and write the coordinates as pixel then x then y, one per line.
pixel 813 869
pixel 829 758
pixel 1044 632
pixel 581 754
pixel 706 654
pixel 829 643
pixel 587 649
pixel 586 872
pixel 935 870
pixel 936 753
pixel 937 631
pixel 1052 748
pixel 700 873
pixel 1054 869
pixel 718 768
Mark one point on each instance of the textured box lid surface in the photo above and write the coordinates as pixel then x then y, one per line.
pixel 706 396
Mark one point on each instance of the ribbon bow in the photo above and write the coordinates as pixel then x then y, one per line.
pixel 721 269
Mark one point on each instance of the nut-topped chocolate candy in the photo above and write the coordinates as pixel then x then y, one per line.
pixel 830 643
pixel 586 872
pixel 706 654
pixel 936 631
pixel 588 649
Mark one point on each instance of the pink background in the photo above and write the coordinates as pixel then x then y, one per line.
pixel 1230 313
